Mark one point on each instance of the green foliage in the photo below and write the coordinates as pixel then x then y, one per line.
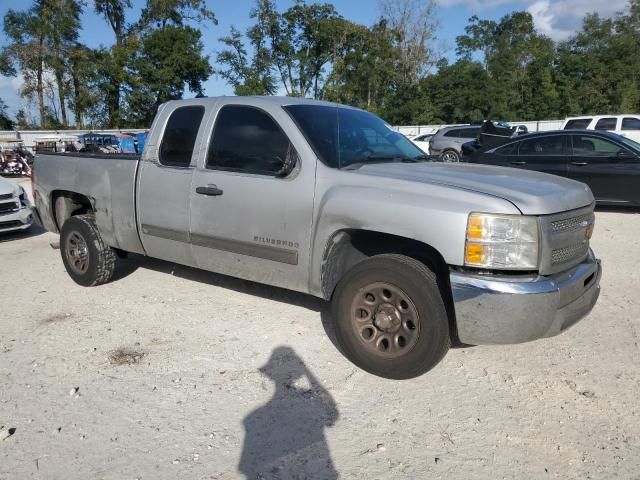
pixel 5 121
pixel 168 60
pixel 504 69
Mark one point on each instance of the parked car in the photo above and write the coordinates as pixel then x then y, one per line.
pixel 608 163
pixel 446 144
pixel 328 200
pixel 624 125
pixel 15 208
pixel 422 141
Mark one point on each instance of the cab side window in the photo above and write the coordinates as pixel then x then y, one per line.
pixel 246 139
pixel 180 136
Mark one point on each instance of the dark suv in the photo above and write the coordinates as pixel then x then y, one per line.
pixel 446 144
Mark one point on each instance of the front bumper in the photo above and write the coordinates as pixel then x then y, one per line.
pixel 503 309
pixel 20 220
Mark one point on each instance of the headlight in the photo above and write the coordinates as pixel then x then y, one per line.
pixel 502 242
pixel 23 197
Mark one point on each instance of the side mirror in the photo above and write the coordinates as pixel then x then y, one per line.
pixel 288 164
pixel 626 155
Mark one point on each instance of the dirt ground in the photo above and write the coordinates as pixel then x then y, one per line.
pixel 169 372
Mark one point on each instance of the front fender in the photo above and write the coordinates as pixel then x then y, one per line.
pixel 436 216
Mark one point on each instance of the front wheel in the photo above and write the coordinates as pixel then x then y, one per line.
pixel 390 319
pixel 88 260
pixel 450 156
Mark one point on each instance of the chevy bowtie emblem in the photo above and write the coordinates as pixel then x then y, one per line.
pixel 589 231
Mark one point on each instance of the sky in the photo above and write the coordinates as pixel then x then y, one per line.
pixel 556 18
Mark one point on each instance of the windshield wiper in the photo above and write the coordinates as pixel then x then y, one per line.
pixel 373 158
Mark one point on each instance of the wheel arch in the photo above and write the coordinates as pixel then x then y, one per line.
pixel 66 204
pixel 347 247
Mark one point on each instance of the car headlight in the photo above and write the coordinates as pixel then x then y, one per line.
pixel 23 197
pixel 501 242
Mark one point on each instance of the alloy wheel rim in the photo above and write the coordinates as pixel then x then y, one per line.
pixel 385 320
pixel 450 157
pixel 77 253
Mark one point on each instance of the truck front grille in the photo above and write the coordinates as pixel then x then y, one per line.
pixel 569 224
pixel 8 207
pixel 566 254
pixel 6 196
pixel 565 239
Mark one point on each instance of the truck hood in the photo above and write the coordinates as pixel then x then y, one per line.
pixel 7 187
pixel 533 193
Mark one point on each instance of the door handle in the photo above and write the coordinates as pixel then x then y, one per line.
pixel 518 162
pixel 209 190
pixel 579 164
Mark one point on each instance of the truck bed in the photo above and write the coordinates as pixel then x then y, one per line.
pixel 107 180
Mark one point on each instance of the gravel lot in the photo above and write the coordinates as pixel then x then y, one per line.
pixel 170 372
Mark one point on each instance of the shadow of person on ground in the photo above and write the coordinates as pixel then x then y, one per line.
pixel 284 439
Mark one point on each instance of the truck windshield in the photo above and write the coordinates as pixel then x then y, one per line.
pixel 343 137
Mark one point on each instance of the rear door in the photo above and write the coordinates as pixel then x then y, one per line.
pixel 246 220
pixel 548 154
pixel 610 169
pixel 164 184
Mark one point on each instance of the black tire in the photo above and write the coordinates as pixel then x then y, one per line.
pixel 450 156
pixel 418 282
pixel 100 260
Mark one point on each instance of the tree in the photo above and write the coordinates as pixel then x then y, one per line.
pixel 366 67
pixel 518 62
pixel 5 121
pixel 63 35
pixel 598 70
pixel 27 50
pixel 85 95
pixel 169 60
pixel 415 25
pixel 111 61
pixel 246 76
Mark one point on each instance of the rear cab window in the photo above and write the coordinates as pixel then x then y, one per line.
pixel 578 124
pixel 179 139
pixel 606 124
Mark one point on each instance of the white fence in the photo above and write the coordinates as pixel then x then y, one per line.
pixel 534 126
pixel 29 137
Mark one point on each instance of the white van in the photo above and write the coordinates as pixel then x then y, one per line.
pixel 625 125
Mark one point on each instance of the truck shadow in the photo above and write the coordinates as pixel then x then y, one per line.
pixel 285 438
pixel 277 294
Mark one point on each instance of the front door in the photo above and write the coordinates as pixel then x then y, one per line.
pixel 250 216
pixel 610 169
pixel 165 186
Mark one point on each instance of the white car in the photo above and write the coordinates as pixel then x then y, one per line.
pixel 625 125
pixel 15 208
pixel 422 141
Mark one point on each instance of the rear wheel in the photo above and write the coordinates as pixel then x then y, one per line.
pixel 87 259
pixel 390 317
pixel 450 156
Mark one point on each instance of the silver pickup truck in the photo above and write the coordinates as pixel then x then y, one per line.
pixel 329 200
